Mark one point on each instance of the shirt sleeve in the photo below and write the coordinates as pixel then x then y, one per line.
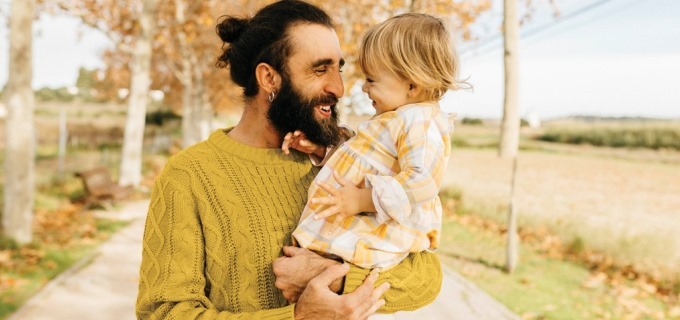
pixel 414 283
pixel 421 152
pixel 172 276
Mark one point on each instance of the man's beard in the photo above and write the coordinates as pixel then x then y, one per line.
pixel 290 111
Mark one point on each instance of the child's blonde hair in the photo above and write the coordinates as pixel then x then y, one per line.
pixel 416 47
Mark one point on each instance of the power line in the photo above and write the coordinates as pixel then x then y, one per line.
pixel 546 26
pixel 543 27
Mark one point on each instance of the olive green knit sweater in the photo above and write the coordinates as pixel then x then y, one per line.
pixel 219 215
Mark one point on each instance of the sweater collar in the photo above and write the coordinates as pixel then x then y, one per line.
pixel 222 141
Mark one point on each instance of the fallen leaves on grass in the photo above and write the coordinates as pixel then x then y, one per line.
pixel 66 226
pixel 624 282
pixel 7 282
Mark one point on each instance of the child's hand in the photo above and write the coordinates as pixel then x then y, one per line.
pixel 344 202
pixel 298 140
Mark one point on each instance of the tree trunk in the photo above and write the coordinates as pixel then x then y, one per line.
pixel 509 143
pixel 131 159
pixel 190 110
pixel 512 248
pixel 204 118
pixel 17 218
pixel 189 136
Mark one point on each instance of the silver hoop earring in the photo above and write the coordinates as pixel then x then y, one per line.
pixel 272 95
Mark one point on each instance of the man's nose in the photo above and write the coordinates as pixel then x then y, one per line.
pixel 335 85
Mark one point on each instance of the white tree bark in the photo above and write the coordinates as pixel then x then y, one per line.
pixel 131 158
pixel 196 109
pixel 204 110
pixel 509 142
pixel 20 137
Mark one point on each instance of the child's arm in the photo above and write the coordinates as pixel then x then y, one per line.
pixel 423 147
pixel 298 141
pixel 345 201
pixel 317 154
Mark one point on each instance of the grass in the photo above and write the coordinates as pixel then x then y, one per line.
pixel 18 284
pixel 544 285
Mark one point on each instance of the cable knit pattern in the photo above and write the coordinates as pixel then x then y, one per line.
pixel 219 215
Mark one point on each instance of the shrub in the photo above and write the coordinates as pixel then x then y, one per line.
pixel 655 137
pixel 472 121
pixel 159 117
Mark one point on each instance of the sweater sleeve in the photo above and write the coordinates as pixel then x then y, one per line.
pixel 414 283
pixel 172 282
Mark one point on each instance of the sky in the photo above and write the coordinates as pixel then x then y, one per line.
pixel 602 58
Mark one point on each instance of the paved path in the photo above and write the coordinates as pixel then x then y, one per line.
pixel 104 286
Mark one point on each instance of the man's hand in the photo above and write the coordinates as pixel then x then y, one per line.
pixel 298 140
pixel 318 302
pixel 296 268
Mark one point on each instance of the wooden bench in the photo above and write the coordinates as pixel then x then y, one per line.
pixel 99 186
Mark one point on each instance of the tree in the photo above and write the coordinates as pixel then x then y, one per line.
pixel 189 33
pixel 20 137
pixel 131 158
pixel 186 47
pixel 509 143
pixel 130 25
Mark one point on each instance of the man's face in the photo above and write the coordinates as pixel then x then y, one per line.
pixel 291 111
pixel 311 86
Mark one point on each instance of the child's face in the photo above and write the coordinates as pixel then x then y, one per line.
pixel 387 90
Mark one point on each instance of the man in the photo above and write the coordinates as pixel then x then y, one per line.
pixel 223 209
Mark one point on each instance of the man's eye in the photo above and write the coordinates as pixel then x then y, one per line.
pixel 324 70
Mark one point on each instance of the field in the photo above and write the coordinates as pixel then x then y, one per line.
pixel 629 208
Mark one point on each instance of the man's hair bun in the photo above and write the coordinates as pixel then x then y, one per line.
pixel 231 28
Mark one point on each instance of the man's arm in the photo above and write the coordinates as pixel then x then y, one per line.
pixel 415 282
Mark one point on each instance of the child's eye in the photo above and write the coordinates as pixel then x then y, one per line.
pixel 369 80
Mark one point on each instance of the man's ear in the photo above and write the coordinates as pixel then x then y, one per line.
pixel 268 78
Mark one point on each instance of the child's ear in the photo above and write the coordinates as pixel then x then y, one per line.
pixel 414 90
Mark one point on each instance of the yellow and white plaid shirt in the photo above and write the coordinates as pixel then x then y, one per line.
pixel 402 155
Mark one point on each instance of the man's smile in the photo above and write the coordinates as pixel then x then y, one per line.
pixel 324 111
